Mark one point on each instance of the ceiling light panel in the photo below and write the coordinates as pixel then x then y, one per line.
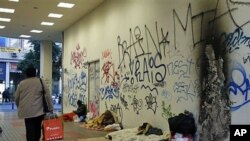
pixel 5 19
pixel 14 0
pixel 47 23
pixel 55 15
pixel 2 27
pixel 7 10
pixel 24 36
pixel 36 31
pixel 65 5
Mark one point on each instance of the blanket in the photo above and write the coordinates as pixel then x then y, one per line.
pixel 130 134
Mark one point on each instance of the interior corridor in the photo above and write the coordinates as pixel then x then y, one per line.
pixel 14 129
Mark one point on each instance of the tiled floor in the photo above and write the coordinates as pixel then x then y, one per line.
pixel 14 130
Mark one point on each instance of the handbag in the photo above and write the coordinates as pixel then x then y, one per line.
pixel 52 129
pixel 45 105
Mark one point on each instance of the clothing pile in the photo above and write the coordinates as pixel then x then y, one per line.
pixel 148 129
pixel 182 126
pixel 100 122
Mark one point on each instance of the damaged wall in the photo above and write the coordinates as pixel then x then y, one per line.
pixel 151 53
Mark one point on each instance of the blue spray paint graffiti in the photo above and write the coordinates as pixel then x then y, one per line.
pixel 76 88
pixel 109 92
pixel 235 39
pixel 239 86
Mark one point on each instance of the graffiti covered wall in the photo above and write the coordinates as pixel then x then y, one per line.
pixel 75 78
pixel 151 54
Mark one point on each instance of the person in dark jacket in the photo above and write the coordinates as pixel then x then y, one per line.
pixel 6 95
pixel 81 112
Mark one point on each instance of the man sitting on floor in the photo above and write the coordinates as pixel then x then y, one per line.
pixel 80 112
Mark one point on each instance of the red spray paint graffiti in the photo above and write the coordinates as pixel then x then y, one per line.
pixel 77 57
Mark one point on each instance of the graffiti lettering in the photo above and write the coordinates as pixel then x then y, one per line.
pixel 77 57
pixel 167 113
pixel 137 105
pixel 151 102
pixel 124 102
pixel 109 92
pixel 118 110
pixel 234 40
pixel 239 86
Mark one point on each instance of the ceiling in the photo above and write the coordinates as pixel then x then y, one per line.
pixel 29 14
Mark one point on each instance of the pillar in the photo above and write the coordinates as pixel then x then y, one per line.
pixel 7 75
pixel 46 63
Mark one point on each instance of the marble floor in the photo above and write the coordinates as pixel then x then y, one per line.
pixel 14 130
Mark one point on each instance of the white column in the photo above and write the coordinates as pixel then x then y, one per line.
pixel 46 62
pixel 7 75
pixel 60 83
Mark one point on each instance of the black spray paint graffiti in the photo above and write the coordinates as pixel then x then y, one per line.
pixel 166 111
pixel 160 84
pixel 151 89
pixel 143 56
pixel 124 102
pixel 205 19
pixel 118 110
pixel 137 105
pixel 193 19
pixel 156 74
pixel 234 40
pixel 139 58
pixel 246 59
pixel 184 91
pixel 130 88
pixel 242 2
pixel 146 70
pixel 151 102
pixel 135 45
pixel 180 68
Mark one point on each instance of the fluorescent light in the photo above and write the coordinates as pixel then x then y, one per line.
pixel 7 10
pixel 24 36
pixel 14 0
pixel 54 15
pixel 36 31
pixel 47 23
pixel 1 26
pixel 5 19
pixel 65 5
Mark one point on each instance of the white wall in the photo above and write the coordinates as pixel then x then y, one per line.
pixel 150 53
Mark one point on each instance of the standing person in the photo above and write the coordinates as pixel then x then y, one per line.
pixel 3 97
pixel 6 95
pixel 29 102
